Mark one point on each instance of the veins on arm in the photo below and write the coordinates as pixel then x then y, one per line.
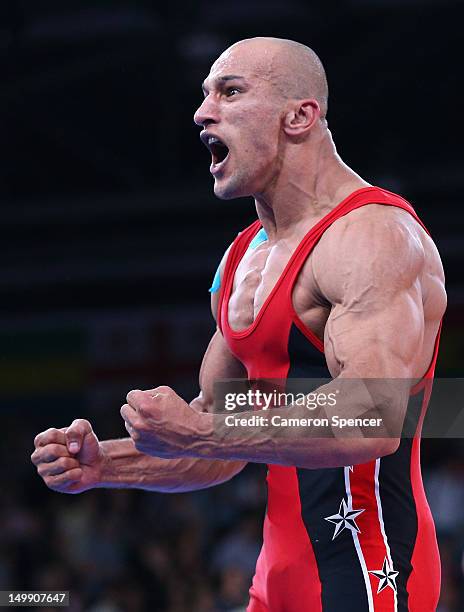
pixel 368 266
pixel 369 269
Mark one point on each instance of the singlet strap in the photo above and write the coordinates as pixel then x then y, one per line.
pixel 359 198
pixel 362 197
pixel 237 251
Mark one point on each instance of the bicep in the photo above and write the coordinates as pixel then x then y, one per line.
pixel 218 364
pixel 369 270
pixel 375 351
pixel 379 340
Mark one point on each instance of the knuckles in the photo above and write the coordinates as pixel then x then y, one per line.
pixel 51 452
pixel 60 466
pixel 132 395
pixel 52 435
pixel 144 405
pixel 137 425
pixel 48 435
pixel 66 463
pixel 134 430
pixel 164 389
pixel 144 411
pixel 52 456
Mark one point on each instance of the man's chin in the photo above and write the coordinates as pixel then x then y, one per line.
pixel 223 194
pixel 228 191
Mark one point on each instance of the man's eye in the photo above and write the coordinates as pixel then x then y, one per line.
pixel 231 91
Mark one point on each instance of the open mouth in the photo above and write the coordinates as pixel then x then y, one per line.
pixel 218 149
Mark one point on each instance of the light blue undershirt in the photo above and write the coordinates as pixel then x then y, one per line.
pixel 260 237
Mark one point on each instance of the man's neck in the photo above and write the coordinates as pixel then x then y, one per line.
pixel 307 188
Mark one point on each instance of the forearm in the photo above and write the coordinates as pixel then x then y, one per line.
pixel 287 448
pixel 126 467
pixel 296 436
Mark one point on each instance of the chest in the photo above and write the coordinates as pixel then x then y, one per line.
pixel 259 274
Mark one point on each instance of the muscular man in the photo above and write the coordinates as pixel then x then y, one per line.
pixel 335 277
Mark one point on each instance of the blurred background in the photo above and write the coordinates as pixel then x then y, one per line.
pixel 110 238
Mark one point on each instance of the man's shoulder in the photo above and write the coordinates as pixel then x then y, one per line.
pixel 374 228
pixel 372 216
pixel 375 245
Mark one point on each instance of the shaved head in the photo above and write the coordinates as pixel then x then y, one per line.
pixel 264 110
pixel 293 69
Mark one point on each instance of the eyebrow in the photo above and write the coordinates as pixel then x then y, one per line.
pixel 224 79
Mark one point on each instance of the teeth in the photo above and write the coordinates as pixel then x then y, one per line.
pixel 213 140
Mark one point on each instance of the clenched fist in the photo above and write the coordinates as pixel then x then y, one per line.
pixel 69 460
pixel 162 424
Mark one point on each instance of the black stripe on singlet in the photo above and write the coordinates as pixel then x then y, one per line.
pixel 397 499
pixel 321 492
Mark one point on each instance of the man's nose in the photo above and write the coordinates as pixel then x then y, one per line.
pixel 207 112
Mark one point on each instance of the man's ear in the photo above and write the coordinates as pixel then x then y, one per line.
pixel 301 117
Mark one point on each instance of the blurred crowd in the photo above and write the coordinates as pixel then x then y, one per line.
pixel 119 550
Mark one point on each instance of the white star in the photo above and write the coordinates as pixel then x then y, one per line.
pixel 344 519
pixel 386 576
